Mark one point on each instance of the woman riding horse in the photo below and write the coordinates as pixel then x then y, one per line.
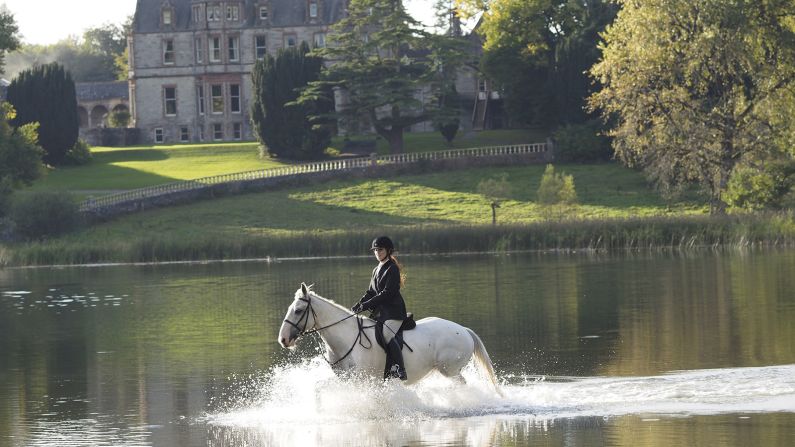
pixel 386 305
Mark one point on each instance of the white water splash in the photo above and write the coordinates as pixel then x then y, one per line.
pixel 307 404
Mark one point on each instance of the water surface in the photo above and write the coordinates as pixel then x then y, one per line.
pixel 622 349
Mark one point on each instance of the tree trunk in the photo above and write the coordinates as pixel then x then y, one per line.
pixel 494 207
pixel 395 139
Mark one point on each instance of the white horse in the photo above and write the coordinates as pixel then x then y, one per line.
pixel 436 344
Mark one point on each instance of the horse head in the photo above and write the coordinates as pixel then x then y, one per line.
pixel 299 317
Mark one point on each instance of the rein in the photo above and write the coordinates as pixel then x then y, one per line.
pixel 305 319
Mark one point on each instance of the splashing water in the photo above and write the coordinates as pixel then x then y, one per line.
pixel 308 403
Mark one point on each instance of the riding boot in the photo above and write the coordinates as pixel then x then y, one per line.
pixel 394 361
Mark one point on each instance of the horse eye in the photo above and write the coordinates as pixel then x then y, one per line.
pixel 299 311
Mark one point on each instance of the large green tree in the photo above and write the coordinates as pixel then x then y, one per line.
pixel 46 95
pixel 389 70
pixel 693 87
pixel 20 156
pixel 538 53
pixel 285 128
pixel 9 34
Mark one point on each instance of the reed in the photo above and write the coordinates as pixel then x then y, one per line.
pixel 684 232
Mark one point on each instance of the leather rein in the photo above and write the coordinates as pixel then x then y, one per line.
pixel 305 319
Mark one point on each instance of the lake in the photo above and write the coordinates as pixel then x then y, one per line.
pixel 623 349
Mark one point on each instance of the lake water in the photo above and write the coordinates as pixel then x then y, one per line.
pixel 650 349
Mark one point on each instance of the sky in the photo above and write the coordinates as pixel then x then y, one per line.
pixel 49 21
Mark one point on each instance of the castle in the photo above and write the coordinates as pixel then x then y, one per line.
pixel 191 62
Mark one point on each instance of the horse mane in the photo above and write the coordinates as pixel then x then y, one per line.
pixel 314 294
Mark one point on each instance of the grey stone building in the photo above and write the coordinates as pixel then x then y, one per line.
pixel 191 61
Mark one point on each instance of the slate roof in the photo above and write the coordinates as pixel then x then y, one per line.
pixel 98 91
pixel 282 13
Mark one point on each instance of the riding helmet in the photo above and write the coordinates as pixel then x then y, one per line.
pixel 383 242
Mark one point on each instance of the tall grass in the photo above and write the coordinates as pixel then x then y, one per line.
pixel 606 234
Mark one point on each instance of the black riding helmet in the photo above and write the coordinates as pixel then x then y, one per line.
pixel 383 242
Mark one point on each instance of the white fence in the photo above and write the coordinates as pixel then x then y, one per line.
pixel 341 165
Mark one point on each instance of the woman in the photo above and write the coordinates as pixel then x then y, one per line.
pixel 386 305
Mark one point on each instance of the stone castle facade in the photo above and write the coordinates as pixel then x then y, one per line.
pixel 191 61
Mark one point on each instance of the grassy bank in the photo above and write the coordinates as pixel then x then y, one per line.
pixel 602 234
pixel 438 212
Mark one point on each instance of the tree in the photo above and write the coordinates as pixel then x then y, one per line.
pixel 538 52
pixel 285 128
pixel 20 156
pixel 692 87
pixel 379 60
pixel 9 34
pixel 46 95
pixel 556 188
pixel 495 190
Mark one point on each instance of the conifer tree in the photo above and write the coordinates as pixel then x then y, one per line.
pixel 46 95
pixel 285 128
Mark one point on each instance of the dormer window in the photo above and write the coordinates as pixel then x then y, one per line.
pixel 167 16
pixel 263 13
pixel 214 12
pixel 232 13
pixel 196 11
pixel 313 9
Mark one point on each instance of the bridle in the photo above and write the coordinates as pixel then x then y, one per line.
pixel 305 319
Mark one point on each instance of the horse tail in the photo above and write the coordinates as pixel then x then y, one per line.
pixel 484 361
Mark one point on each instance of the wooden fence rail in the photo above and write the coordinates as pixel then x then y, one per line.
pixel 343 165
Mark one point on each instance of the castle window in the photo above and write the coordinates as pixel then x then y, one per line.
pixel 218 131
pixel 237 131
pixel 170 101
pixel 320 40
pixel 184 135
pixel 313 9
pixel 199 51
pixel 234 98
pixel 233 49
pixel 196 12
pixel 215 49
pixel 290 40
pixel 168 51
pixel 232 13
pixel 263 13
pixel 158 135
pixel 200 98
pixel 167 16
pixel 259 47
pixel 217 98
pixel 214 13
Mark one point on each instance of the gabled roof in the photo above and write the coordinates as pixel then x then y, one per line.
pixel 282 13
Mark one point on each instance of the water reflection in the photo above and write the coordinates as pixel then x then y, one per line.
pixel 142 355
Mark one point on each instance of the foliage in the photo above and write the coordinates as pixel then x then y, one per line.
pixel 44 214
pixel 9 35
pixel 692 87
pixel 381 58
pixel 537 52
pixel 581 143
pixel 447 121
pixel 556 188
pixel 495 190
pixel 99 55
pixel 79 154
pixel 20 156
pixel 46 94
pixel 119 118
pixel 287 129
pixel 757 188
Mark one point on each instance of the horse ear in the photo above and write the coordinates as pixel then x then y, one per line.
pixel 303 289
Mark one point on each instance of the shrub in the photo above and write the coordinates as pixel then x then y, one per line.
pixel 582 143
pixel 43 214
pixel 769 187
pixel 79 154
pixel 119 118
pixel 556 188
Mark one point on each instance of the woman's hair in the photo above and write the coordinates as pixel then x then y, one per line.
pixel 400 269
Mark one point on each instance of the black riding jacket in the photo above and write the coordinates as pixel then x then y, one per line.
pixel 383 297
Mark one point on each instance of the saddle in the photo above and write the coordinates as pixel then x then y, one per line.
pixel 407 325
